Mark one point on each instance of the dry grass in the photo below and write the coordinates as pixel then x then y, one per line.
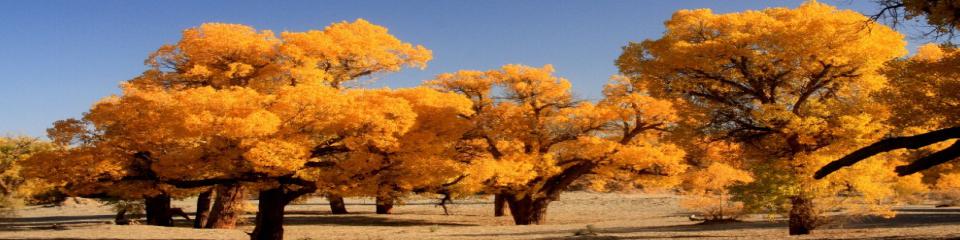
pixel 609 216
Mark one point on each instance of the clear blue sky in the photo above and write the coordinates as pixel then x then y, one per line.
pixel 59 57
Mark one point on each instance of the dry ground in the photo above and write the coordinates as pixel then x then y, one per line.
pixel 613 216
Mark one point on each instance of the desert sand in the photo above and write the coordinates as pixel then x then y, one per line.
pixel 609 216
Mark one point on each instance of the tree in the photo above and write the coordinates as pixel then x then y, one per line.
pixel 230 105
pixel 791 85
pixel 393 171
pixel 942 16
pixel 718 166
pixel 533 139
pixel 922 93
pixel 15 189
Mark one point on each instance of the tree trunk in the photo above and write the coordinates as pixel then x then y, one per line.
pixel 203 209
pixel 526 210
pixel 269 223
pixel 227 208
pixel 337 205
pixel 803 219
pixel 499 201
pixel 121 218
pixel 158 208
pixel 384 205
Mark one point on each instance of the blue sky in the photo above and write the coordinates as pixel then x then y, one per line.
pixel 59 57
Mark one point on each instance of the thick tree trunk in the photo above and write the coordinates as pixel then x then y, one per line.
pixel 526 210
pixel 269 223
pixel 803 218
pixel 121 218
pixel 384 205
pixel 498 203
pixel 337 206
pixel 158 210
pixel 227 208
pixel 203 209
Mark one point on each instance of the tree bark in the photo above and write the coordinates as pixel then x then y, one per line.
pixel 203 209
pixel 269 223
pixel 227 208
pixel 158 208
pixel 803 218
pixel 337 206
pixel 526 210
pixel 384 205
pixel 121 218
pixel 498 203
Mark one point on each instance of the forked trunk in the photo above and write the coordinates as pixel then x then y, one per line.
pixel 269 223
pixel 203 209
pixel 803 218
pixel 384 205
pixel 526 210
pixel 227 208
pixel 158 210
pixel 498 203
pixel 337 206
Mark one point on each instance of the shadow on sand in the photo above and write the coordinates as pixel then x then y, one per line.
pixel 292 218
pixel 906 218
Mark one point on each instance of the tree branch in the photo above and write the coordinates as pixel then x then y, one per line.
pixel 911 142
pixel 931 160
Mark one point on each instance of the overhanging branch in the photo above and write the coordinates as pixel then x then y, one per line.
pixel 911 142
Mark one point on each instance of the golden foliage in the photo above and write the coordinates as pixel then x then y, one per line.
pixel 230 102
pixel 795 84
pixel 706 191
pixel 16 188
pixel 532 139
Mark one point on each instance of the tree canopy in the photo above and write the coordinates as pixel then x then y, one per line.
pixel 792 85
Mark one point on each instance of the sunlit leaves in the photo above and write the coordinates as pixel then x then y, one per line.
pixel 529 129
pixel 793 85
pixel 228 101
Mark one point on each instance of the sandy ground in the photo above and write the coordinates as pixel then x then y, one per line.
pixel 612 216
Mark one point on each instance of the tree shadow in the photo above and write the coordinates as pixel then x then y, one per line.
pixel 56 218
pixel 905 218
pixel 409 203
pixel 361 220
pixel 620 230
pixel 164 238
pixel 67 222
pixel 47 226
pixel 698 227
pixel 52 222
pixel 602 237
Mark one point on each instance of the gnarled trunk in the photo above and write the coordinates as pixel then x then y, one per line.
pixel 803 218
pixel 384 205
pixel 227 208
pixel 203 209
pixel 527 210
pixel 337 206
pixel 158 210
pixel 498 203
pixel 269 223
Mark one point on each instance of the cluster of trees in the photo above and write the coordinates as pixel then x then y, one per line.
pixel 229 109
pixel 736 110
pixel 15 189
